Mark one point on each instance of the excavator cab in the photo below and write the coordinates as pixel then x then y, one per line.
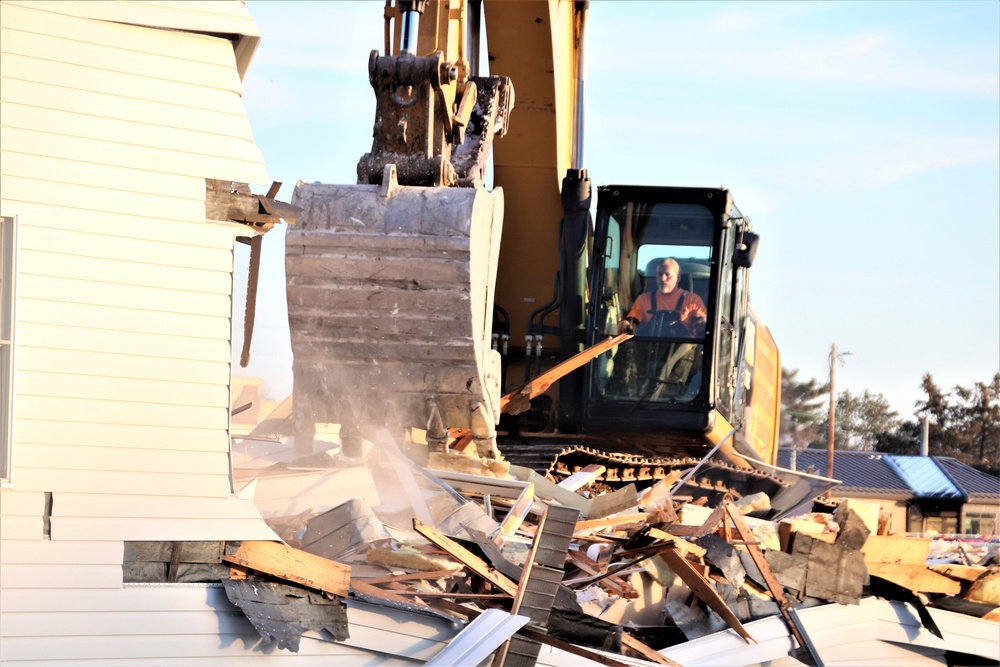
pixel 678 373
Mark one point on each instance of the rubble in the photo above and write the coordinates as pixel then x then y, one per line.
pixel 617 577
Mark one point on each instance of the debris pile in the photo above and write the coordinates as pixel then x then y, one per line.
pixel 607 576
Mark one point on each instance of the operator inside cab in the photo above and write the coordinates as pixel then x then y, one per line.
pixel 667 308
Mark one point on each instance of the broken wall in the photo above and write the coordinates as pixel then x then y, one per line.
pixel 113 116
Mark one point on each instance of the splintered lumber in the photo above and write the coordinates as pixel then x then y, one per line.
pixel 519 400
pixel 285 562
pixel 704 590
pixel 466 557
pixel 903 561
pixel 645 651
pixel 612 583
pixel 775 588
pixel 683 545
pixel 717 517
pixel 658 495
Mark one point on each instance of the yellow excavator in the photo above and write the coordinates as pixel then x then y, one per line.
pixel 418 297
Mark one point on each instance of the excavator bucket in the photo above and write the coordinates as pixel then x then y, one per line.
pixel 390 303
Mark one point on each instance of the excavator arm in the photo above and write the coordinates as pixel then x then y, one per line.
pixel 390 281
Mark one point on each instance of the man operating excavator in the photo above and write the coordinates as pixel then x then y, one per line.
pixel 688 307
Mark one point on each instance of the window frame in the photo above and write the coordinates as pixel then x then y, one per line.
pixel 8 329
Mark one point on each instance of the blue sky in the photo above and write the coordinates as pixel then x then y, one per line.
pixel 862 139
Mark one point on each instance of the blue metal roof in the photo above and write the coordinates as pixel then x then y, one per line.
pixel 863 473
pixel 924 476
pixel 875 474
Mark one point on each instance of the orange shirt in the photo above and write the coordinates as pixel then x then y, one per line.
pixel 693 311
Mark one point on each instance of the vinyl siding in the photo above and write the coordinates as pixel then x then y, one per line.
pixel 193 624
pixel 109 130
pixel 124 291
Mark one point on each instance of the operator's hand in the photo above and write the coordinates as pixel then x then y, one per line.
pixel 627 325
pixel 696 325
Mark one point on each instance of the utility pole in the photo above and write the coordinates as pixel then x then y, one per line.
pixel 832 418
pixel 834 358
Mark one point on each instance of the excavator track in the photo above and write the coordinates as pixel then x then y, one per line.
pixel 558 460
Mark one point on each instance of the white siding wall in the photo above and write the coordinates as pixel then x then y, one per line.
pixel 109 131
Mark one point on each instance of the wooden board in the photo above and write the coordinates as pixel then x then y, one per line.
pixel 916 578
pixel 298 566
pixel 466 557
pixel 892 550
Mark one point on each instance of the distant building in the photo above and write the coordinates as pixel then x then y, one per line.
pixel 921 493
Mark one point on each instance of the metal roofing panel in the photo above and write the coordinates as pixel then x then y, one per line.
pixel 859 472
pixel 976 484
pixel 924 476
